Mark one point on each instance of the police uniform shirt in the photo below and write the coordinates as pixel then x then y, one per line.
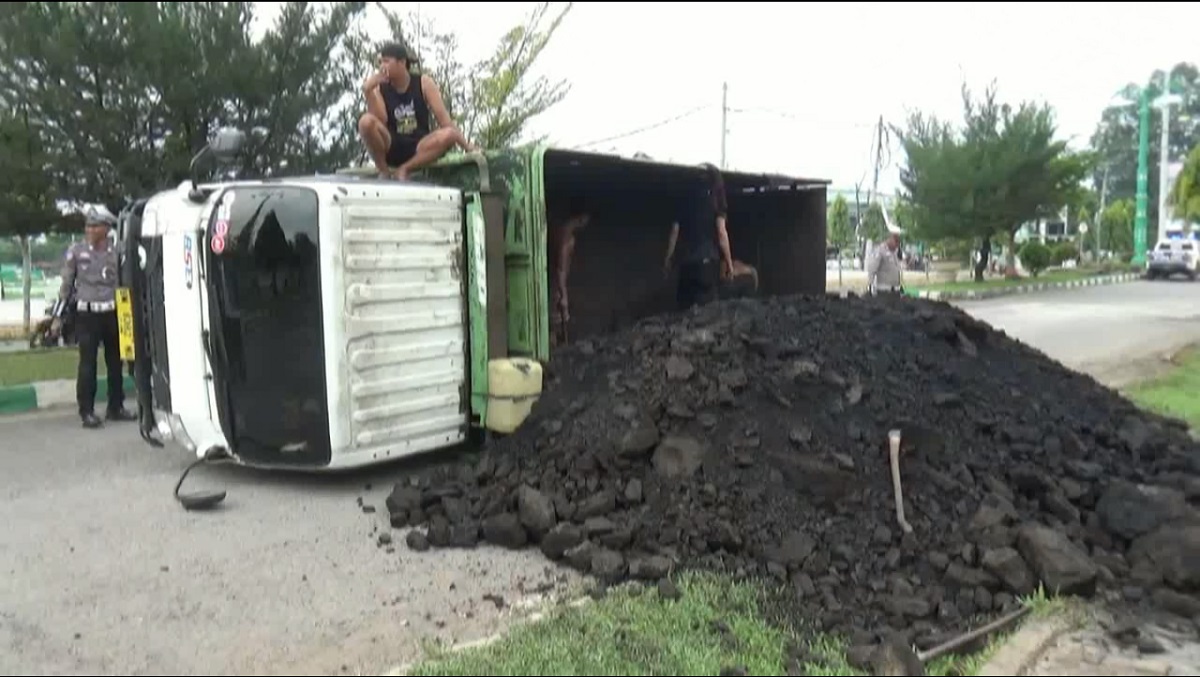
pixel 92 272
pixel 883 268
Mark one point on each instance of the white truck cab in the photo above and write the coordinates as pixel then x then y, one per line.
pixel 238 289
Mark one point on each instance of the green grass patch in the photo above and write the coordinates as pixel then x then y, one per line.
pixel 632 631
pixel 715 625
pixel 27 366
pixel 1002 283
pixel 1176 393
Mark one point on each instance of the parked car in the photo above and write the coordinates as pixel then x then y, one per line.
pixel 1172 257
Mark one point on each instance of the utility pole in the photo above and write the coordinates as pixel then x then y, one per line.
pixel 1164 151
pixel 878 160
pixel 874 194
pixel 724 120
pixel 1099 220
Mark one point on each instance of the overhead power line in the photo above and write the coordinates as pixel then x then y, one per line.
pixel 807 119
pixel 640 130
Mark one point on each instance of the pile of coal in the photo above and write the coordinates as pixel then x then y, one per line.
pixel 750 437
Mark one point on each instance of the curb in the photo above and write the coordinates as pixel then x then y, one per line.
pixel 46 394
pixel 1025 647
pixel 1026 288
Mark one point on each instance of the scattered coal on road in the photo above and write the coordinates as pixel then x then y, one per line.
pixel 751 437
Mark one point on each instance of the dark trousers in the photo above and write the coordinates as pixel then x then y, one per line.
pixel 94 329
pixel 697 283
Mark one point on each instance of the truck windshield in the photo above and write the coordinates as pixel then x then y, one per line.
pixel 267 324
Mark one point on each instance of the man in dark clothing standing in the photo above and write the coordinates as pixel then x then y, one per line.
pixel 396 127
pixel 700 237
pixel 91 272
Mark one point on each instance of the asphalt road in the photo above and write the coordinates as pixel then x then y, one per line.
pixel 1117 333
pixel 101 572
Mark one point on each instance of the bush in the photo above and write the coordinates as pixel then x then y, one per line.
pixel 1036 257
pixel 1063 252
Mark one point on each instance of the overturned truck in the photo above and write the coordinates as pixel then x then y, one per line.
pixel 328 322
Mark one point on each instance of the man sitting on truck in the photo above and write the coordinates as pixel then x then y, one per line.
pixel 395 129
pixel 562 249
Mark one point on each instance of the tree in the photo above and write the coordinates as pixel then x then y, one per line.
pixel 1185 195
pixel 840 235
pixel 1116 137
pixel 27 204
pixel 1115 226
pixel 128 92
pixel 1116 223
pixel 1036 257
pixel 874 225
pixel 903 215
pixel 1003 169
pixel 494 100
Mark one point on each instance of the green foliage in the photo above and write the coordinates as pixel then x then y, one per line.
pixel 904 216
pixel 1116 137
pixel 840 233
pixel 124 94
pixel 1115 227
pixel 1063 252
pixel 631 632
pixel 1174 393
pixel 874 226
pixel 493 100
pixel 1003 168
pixel 1185 196
pixel 1036 257
pixel 128 92
pixel 27 204
pixel 46 253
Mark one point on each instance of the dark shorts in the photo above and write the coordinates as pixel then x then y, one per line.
pixel 697 283
pixel 402 150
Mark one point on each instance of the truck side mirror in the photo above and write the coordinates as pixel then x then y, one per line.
pixel 228 143
pixel 224 147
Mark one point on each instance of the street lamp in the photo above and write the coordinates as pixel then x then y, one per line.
pixel 1141 218
pixel 1164 103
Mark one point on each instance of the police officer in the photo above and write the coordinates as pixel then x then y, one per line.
pixel 883 267
pixel 91 270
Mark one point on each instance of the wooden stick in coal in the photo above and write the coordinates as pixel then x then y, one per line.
pixel 995 626
pixel 897 490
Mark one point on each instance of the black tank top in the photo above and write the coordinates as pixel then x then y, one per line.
pixel 407 112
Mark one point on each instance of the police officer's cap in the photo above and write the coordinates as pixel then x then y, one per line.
pixel 99 217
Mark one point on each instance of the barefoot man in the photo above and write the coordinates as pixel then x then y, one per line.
pixel 395 129
pixel 562 251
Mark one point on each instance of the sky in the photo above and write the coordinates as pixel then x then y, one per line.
pixel 807 82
